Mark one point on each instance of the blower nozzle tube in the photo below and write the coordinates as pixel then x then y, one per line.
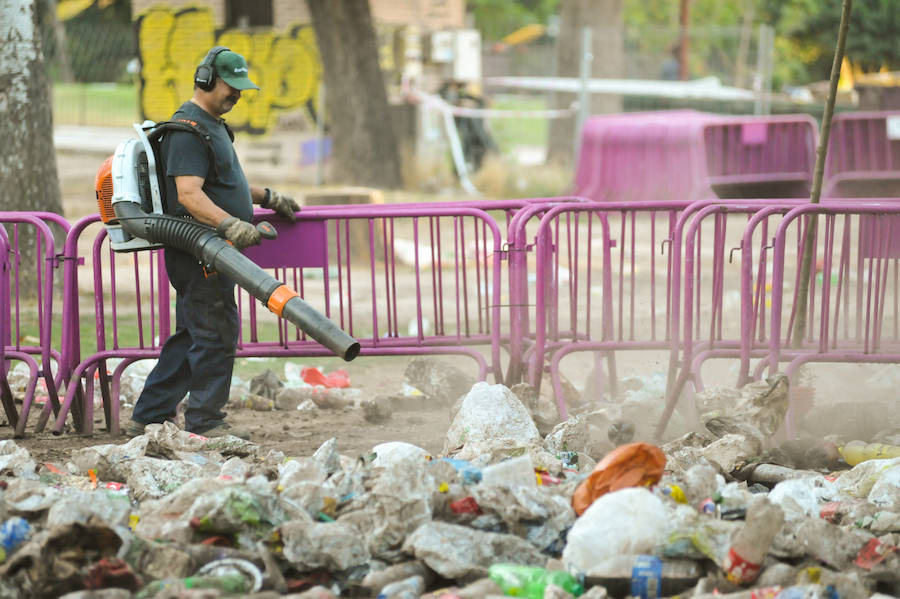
pixel 205 244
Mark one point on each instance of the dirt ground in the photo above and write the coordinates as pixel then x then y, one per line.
pixel 293 433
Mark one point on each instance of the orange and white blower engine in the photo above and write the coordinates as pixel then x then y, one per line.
pixel 131 207
pixel 129 175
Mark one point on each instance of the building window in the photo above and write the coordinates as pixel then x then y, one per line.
pixel 242 14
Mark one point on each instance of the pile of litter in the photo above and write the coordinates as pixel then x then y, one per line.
pixel 582 510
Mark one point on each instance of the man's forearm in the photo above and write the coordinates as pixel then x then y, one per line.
pixel 196 202
pixel 202 208
pixel 258 194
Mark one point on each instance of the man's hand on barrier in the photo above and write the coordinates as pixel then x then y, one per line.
pixel 240 233
pixel 282 204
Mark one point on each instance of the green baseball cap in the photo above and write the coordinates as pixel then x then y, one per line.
pixel 232 68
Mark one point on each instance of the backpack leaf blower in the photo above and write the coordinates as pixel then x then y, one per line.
pixel 131 201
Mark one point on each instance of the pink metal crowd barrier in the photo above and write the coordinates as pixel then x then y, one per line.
pixel 131 295
pixel 27 309
pixel 853 307
pixel 709 288
pixel 429 279
pixel 690 155
pixel 6 395
pixel 601 283
pixel 402 280
pixel 610 278
pixel 130 320
pixel 600 287
pixel 863 158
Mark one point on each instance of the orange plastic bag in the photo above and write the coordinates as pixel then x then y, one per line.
pixel 632 465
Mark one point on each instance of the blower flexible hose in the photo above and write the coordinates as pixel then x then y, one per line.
pixel 204 243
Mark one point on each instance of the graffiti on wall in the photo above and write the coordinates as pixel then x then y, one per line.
pixel 173 41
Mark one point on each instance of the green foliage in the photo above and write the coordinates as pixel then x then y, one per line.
pixel 653 29
pixel 654 13
pixel 99 41
pixel 872 38
pixel 667 12
pixel 498 18
pixel 805 33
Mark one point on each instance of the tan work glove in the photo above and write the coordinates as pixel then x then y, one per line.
pixel 240 233
pixel 283 205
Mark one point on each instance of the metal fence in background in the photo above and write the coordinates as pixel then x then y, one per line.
pixel 90 59
pixel 85 51
pixel 730 54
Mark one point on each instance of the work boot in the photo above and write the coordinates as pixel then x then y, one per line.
pixel 223 430
pixel 133 429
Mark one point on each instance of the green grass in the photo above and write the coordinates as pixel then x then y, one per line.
pixel 95 104
pixel 509 132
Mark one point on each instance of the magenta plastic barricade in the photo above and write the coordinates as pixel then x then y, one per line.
pixel 685 155
pixel 863 159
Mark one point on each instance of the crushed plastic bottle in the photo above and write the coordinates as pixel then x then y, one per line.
pixel 531 581
pixel 751 544
pixel 408 588
pixel 856 452
pixel 379 579
pixel 644 576
pixel 13 533
pixel 227 583
pixel 257 403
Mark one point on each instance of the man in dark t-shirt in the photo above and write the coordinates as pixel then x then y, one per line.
pixel 198 358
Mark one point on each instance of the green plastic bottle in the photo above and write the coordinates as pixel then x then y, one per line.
pixel 530 581
pixel 229 584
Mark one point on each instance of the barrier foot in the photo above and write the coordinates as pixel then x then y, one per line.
pixel 9 405
pixel 26 407
pixel 43 418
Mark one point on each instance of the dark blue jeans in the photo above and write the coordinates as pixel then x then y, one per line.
pixel 199 357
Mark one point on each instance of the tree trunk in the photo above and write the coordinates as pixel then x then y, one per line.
pixel 364 145
pixel 605 18
pixel 28 178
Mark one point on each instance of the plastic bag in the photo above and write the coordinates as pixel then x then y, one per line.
pixel 886 491
pixel 629 521
pixel 392 452
pixel 314 376
pixel 632 465
pixel 492 414
pixel 858 482
pixel 804 497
